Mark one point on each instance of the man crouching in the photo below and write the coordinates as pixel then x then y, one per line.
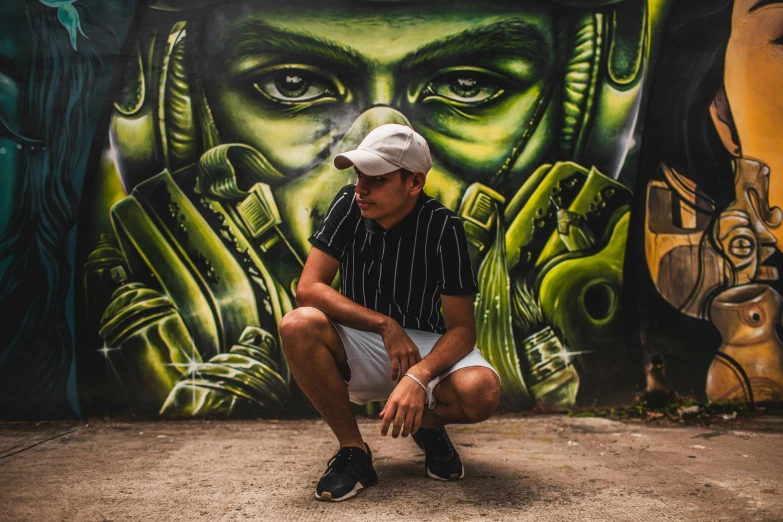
pixel 401 255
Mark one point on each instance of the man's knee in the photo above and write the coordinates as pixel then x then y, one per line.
pixel 301 325
pixel 479 395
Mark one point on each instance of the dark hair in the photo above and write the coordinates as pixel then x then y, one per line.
pixel 405 174
pixel 678 128
pixel 679 132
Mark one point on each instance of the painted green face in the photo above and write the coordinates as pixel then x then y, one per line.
pixel 301 85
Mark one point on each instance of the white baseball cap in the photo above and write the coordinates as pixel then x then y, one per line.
pixel 388 148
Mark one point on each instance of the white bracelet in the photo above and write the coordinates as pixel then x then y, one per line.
pixel 417 381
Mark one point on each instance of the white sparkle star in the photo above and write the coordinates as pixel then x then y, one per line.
pixel 191 369
pixel 2 150
pixel 566 355
pixel 18 146
pixel 105 351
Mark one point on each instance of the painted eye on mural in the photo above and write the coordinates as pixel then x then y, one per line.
pixel 296 84
pixel 464 86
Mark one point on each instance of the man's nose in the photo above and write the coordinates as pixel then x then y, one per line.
pixel 361 186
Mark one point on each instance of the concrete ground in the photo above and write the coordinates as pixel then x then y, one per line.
pixel 546 467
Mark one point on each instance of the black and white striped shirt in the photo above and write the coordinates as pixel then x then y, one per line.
pixel 401 272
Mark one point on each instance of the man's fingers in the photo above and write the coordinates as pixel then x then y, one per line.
pixel 408 422
pixel 395 362
pixel 414 359
pixel 417 419
pixel 390 410
pixel 415 355
pixel 399 419
pixel 405 365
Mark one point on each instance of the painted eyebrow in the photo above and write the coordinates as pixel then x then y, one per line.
pixel 763 3
pixel 251 37
pixel 514 38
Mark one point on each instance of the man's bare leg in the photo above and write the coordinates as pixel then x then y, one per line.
pixel 318 362
pixel 468 395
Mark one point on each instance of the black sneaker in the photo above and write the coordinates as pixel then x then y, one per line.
pixel 441 460
pixel 348 472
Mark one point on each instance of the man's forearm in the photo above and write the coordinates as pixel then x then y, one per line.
pixel 340 309
pixel 455 344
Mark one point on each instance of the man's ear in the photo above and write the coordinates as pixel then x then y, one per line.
pixel 418 180
pixel 724 123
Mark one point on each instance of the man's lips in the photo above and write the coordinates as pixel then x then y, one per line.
pixel 364 204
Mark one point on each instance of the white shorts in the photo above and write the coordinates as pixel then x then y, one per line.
pixel 371 367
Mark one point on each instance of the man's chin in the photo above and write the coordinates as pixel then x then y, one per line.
pixel 368 213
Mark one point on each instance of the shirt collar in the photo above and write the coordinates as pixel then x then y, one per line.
pixel 405 223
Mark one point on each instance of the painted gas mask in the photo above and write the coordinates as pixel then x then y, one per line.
pixel 245 104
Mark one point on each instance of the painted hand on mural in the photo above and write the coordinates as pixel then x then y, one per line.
pixel 563 235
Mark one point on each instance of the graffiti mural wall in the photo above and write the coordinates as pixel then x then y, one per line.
pixel 709 198
pixel 613 164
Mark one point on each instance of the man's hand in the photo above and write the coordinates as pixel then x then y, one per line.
pixel 405 407
pixel 403 353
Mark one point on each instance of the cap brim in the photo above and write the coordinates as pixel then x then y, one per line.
pixel 369 163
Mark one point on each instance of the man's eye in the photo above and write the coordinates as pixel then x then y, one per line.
pixel 293 85
pixel 466 87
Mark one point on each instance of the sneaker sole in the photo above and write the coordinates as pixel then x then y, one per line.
pixel 452 477
pixel 327 496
